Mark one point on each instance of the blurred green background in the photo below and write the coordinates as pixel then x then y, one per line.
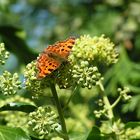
pixel 28 26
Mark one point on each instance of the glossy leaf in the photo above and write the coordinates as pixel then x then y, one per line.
pixel 79 136
pixel 18 106
pixel 94 134
pixel 8 133
pixel 16 44
pixel 132 124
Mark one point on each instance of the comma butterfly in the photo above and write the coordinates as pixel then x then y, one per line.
pixel 53 56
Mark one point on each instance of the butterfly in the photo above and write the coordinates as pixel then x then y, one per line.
pixel 53 56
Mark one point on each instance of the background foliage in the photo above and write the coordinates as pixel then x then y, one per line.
pixel 26 27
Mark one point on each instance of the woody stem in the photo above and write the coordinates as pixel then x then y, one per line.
pixel 106 102
pixel 60 112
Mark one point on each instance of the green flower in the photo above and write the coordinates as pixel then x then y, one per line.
pixel 86 76
pixel 118 128
pixel 3 54
pixel 43 122
pixel 124 93
pixel 131 133
pixel 31 82
pixel 17 119
pixel 9 84
pixel 93 50
pixel 85 60
pixel 83 67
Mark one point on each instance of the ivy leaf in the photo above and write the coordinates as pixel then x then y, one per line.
pixel 19 106
pixel 79 136
pixel 14 43
pixel 94 134
pixel 9 133
pixel 132 124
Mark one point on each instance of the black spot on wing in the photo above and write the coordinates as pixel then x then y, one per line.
pixel 69 47
pixel 50 70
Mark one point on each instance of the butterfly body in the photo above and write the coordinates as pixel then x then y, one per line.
pixel 53 56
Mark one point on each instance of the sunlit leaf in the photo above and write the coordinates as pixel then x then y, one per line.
pixel 132 124
pixel 18 106
pixel 8 133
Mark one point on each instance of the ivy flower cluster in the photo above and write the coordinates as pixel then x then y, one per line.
pixel 9 84
pixel 124 93
pixel 43 122
pixel 3 54
pixel 86 76
pixel 82 68
pixel 31 82
pixel 93 50
pixel 86 57
pixel 16 119
pixel 119 129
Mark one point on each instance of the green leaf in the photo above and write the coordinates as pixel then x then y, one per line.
pixel 132 124
pixel 19 106
pixel 8 133
pixel 94 134
pixel 79 136
pixel 14 43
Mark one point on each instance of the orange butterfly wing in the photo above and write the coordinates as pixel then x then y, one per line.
pixel 46 65
pixel 61 48
pixel 50 59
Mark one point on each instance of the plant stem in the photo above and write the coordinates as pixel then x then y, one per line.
pixel 73 93
pixel 116 102
pixel 106 102
pixel 59 109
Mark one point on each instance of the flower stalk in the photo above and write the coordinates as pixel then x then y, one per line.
pixel 108 106
pixel 60 112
